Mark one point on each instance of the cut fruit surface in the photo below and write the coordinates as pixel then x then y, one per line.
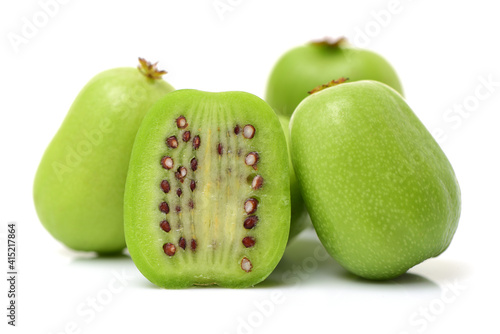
pixel 207 198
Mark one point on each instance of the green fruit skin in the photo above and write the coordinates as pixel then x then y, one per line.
pixel 381 194
pixel 303 68
pixel 79 184
pixel 300 218
pixel 141 204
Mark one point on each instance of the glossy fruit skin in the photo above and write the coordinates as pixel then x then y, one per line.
pixel 299 219
pixel 141 209
pixel 305 67
pixel 79 184
pixel 381 193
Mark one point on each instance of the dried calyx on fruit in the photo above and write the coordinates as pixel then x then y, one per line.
pixel 214 207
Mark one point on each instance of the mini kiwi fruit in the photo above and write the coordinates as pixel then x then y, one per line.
pixel 79 185
pixel 207 199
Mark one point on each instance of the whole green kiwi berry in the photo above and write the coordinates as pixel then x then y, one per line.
pixel 301 69
pixel 80 182
pixel 381 193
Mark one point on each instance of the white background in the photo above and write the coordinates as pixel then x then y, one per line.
pixel 443 52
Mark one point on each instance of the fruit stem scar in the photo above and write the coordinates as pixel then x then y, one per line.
pixel 330 42
pixel 328 84
pixel 149 69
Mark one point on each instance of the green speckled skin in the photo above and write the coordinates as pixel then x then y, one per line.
pixel 303 68
pixel 300 218
pixel 79 185
pixel 380 192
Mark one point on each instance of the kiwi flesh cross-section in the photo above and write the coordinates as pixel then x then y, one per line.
pixel 207 198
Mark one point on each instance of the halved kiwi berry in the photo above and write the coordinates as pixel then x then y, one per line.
pixel 207 198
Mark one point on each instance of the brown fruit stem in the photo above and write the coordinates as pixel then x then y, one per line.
pixel 328 84
pixel 330 42
pixel 149 69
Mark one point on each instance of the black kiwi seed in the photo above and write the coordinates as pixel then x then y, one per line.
pixel 196 142
pixel 248 241
pixel 186 136
pixel 181 122
pixel 165 186
pixel 257 182
pixel 246 265
pixel 169 249
pixel 164 207
pixel 182 243
pixel 165 226
pixel 248 131
pixel 172 142
pixel 181 173
pixel 167 162
pixel 194 164
pixel 252 159
pixel 250 222
pixel 251 205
